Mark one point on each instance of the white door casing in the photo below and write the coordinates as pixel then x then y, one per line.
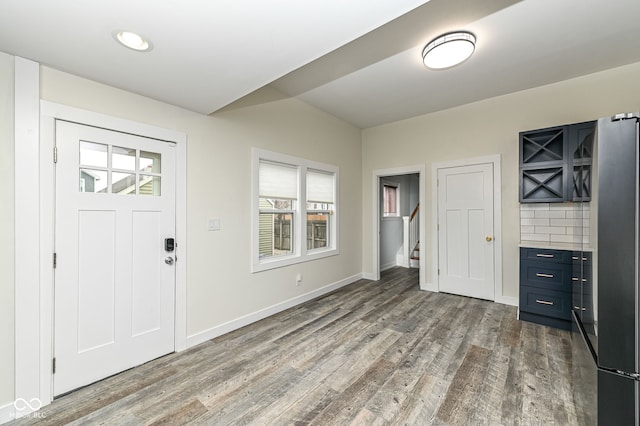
pixel 114 294
pixel 466 257
pixel 377 177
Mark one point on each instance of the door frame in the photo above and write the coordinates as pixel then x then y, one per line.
pixel 49 113
pixel 377 177
pixel 497 217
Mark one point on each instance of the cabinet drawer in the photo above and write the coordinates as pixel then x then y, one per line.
pixel 545 255
pixel 583 304
pixel 581 276
pixel 550 276
pixel 584 257
pixel 583 282
pixel 550 303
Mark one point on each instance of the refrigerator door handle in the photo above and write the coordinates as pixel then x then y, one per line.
pixel 625 116
pixel 634 376
pixel 626 374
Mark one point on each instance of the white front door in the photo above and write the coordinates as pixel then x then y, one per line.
pixel 114 279
pixel 465 237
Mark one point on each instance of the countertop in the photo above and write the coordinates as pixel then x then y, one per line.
pixel 555 246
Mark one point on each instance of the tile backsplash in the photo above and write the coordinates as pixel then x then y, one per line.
pixel 555 222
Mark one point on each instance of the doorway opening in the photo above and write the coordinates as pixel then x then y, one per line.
pixel 398 220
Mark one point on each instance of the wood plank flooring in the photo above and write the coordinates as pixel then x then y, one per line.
pixel 372 353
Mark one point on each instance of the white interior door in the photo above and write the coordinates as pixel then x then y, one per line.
pixel 114 280
pixel 465 237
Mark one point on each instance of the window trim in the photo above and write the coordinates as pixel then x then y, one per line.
pixel 301 253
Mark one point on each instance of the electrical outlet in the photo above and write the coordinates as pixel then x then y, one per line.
pixel 298 279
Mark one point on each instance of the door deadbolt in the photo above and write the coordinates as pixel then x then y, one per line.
pixel 489 238
pixel 168 260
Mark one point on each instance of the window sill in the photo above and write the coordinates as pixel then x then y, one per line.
pixel 267 264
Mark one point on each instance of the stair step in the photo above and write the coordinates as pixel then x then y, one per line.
pixel 415 258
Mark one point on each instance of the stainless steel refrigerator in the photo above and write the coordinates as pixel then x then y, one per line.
pixel 605 305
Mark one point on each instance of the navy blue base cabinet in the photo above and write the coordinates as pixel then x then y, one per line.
pixel 547 282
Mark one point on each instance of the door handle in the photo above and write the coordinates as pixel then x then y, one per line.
pixel 489 238
pixel 168 260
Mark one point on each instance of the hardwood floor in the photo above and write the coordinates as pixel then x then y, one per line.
pixel 372 353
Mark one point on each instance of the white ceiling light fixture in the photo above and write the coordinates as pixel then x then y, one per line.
pixel 133 41
pixel 449 50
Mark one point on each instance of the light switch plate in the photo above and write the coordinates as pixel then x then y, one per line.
pixel 214 224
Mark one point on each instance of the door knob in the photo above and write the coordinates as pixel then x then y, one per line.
pixel 168 260
pixel 489 239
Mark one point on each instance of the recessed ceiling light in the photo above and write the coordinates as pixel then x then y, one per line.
pixel 449 50
pixel 133 41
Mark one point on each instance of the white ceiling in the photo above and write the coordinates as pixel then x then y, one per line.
pixel 358 60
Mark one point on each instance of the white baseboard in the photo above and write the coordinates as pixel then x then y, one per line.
pixel 203 336
pixel 7 413
pixel 401 261
pixel 507 300
pixel 388 266
pixel 369 276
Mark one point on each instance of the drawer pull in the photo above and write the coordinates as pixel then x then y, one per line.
pixel 577 308
pixel 541 275
pixel 544 302
pixel 584 280
pixel 584 259
pixel 544 255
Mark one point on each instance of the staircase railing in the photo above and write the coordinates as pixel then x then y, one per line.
pixel 411 234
